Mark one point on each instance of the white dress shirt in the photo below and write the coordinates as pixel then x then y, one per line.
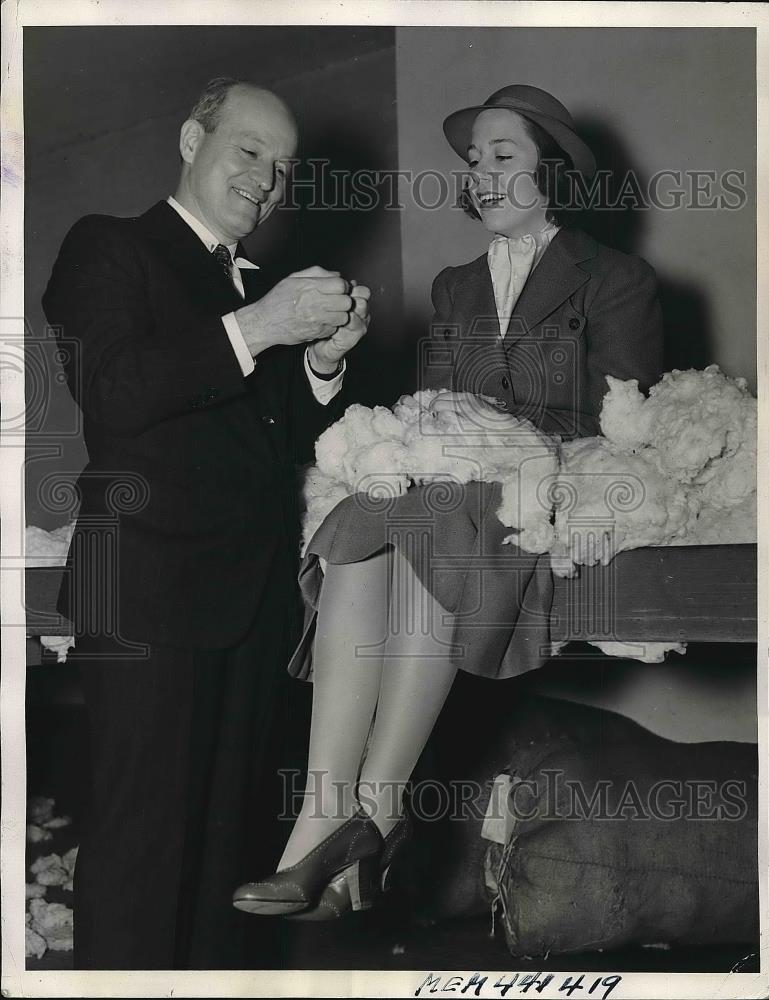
pixel 511 261
pixel 324 390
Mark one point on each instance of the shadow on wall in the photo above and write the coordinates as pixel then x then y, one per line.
pixel 620 227
pixel 688 323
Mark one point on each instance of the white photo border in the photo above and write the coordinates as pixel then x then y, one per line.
pixel 16 981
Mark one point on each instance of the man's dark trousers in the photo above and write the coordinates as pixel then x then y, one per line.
pixel 199 738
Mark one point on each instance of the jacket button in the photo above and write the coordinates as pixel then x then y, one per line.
pixel 574 323
pixel 268 420
pixel 505 382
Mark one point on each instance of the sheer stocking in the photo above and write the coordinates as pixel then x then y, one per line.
pixel 382 644
pixel 416 680
pixel 352 614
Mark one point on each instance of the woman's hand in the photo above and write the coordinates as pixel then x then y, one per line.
pixel 481 412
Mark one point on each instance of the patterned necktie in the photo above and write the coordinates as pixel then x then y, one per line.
pixel 224 257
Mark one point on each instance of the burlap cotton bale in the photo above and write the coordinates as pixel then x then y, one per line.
pixel 447 860
pixel 571 883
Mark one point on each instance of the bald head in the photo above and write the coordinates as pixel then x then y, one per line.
pixel 212 101
pixel 236 149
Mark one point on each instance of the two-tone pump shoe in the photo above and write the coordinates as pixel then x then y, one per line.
pixel 336 900
pixel 350 855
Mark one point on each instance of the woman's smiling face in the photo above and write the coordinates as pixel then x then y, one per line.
pixel 502 158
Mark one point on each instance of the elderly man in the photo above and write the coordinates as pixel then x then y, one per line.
pixel 201 389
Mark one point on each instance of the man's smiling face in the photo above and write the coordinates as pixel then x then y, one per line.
pixel 236 174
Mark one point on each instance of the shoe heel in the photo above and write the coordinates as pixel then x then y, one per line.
pixel 362 880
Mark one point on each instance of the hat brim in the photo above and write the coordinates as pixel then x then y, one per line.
pixel 459 125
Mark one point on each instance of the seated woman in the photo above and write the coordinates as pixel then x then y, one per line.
pixel 532 327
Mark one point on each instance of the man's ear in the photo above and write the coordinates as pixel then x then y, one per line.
pixel 189 139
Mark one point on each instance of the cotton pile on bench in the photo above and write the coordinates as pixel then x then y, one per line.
pixel 700 430
pixel 383 452
pixel 678 467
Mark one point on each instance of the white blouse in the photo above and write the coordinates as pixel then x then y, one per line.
pixel 511 260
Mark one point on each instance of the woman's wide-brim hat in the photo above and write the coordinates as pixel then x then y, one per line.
pixel 532 103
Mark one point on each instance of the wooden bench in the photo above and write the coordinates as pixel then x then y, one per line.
pixel 676 593
pixel 687 593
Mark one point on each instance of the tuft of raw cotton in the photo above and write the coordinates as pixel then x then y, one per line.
pixel 730 479
pixel 607 501
pixel 528 494
pixel 57 822
pixel 342 451
pixel 383 452
pixel 714 525
pixel 646 652
pixel 41 819
pixel 699 429
pixel 47 548
pixel 624 417
pixel 34 943
pixel 40 809
pixel 690 420
pixel 50 870
pixel 59 644
pixel 459 448
pixel 37 835
pixel 53 922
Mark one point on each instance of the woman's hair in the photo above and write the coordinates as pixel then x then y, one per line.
pixel 550 177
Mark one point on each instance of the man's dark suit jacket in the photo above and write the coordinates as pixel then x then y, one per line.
pixel 192 466
pixel 586 311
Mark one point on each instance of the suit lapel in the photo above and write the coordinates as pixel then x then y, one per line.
pixel 190 260
pixel 556 277
pixel 474 299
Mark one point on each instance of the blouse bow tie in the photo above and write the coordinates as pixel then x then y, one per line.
pixel 511 259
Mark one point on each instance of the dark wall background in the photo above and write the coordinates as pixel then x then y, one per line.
pixel 102 110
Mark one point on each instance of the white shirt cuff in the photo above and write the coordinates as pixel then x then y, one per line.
pixel 239 346
pixel 323 389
